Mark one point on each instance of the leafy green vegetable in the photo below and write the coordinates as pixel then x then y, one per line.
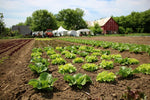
pixel 58 61
pixel 60 49
pixel 96 54
pixel 90 67
pixel 113 56
pixel 64 52
pixel 38 67
pixel 54 56
pixel 83 54
pixel 144 68
pixel 78 79
pixel 125 72
pixel 45 81
pixel 70 55
pixel 67 68
pixel 91 59
pixel 106 52
pixel 106 64
pixel 48 48
pixel 126 61
pixel 78 60
pixel 50 52
pixel 105 76
pixel 36 50
pixel 106 57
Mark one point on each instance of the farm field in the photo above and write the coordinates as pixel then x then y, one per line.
pixel 15 73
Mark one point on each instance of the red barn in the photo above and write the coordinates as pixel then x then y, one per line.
pixel 108 25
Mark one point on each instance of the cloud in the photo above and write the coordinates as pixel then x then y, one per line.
pixel 94 9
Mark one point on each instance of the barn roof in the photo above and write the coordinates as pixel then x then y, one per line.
pixel 101 22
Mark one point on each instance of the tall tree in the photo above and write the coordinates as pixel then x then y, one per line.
pixel 42 20
pixel 28 21
pixel 2 24
pixel 73 19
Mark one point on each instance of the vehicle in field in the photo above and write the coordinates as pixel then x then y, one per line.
pixel 48 33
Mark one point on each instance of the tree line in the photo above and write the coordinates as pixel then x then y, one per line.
pixel 136 22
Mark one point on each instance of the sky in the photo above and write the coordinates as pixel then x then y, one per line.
pixel 15 11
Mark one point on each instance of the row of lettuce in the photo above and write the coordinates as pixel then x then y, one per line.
pixel 135 48
pixel 79 54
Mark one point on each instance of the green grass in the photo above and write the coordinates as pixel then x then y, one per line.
pixel 130 34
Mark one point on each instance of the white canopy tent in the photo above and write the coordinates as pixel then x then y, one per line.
pixel 62 31
pixel 85 32
pixel 72 33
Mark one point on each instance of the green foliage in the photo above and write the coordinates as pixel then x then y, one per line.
pixel 126 61
pixel 125 72
pixel 121 30
pixel 106 52
pixel 70 55
pixel 96 29
pixel 136 49
pixel 42 20
pixel 78 60
pixel 48 48
pixel 38 67
pixel 105 77
pixel 60 49
pixel 67 68
pixel 113 56
pixel 91 59
pixel 90 67
pixel 78 79
pixel 58 61
pixel 54 56
pixel 44 82
pixel 96 54
pixel 64 52
pixel 144 68
pixel 50 52
pixel 72 19
pixel 106 64
pixel 83 54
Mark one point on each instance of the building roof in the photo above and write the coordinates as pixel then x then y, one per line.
pixel 101 22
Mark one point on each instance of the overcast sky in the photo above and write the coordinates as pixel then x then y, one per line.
pixel 16 11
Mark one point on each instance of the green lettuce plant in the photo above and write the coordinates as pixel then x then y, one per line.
pixel 106 76
pixel 90 67
pixel 78 60
pixel 125 72
pixel 78 79
pixel 144 68
pixel 44 82
pixel 67 68
pixel 70 55
pixel 58 61
pixel 91 59
pixel 106 64
pixel 54 56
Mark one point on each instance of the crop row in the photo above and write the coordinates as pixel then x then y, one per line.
pixel 40 65
pixel 136 48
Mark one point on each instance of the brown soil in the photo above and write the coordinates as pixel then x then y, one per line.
pixel 121 39
pixel 15 75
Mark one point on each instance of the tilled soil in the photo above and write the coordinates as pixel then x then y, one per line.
pixel 15 75
pixel 122 39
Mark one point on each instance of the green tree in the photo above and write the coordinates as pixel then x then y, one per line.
pixel 2 24
pixel 121 30
pixel 96 29
pixel 42 20
pixel 20 24
pixel 72 18
pixel 28 21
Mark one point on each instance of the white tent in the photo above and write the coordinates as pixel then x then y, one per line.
pixel 55 33
pixel 85 32
pixel 62 31
pixel 72 33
